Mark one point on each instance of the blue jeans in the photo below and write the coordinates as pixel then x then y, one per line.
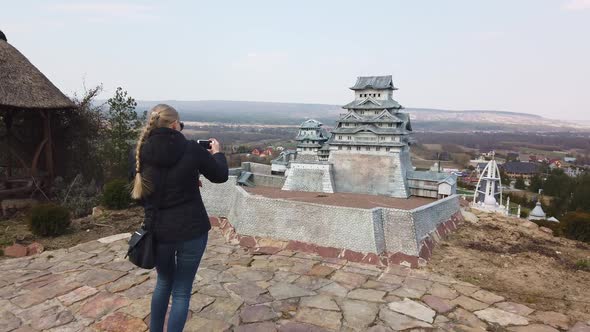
pixel 177 265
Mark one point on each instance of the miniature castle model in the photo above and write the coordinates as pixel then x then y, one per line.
pixel 368 151
pixel 369 146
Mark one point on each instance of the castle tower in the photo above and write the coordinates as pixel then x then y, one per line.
pixel 369 147
pixel 310 138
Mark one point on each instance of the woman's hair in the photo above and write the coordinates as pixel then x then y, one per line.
pixel 161 115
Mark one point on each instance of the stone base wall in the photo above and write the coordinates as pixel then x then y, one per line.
pixel 325 225
pixel 257 168
pixel 270 246
pixel 442 231
pixel 274 181
pixel 378 231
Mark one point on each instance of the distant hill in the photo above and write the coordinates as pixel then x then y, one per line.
pixel 423 119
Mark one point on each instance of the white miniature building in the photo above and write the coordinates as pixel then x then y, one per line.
pixel 538 213
pixel 488 192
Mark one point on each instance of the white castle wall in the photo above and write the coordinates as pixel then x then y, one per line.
pixel 309 177
pixel 385 176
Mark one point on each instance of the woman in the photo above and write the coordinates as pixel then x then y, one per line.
pixel 167 169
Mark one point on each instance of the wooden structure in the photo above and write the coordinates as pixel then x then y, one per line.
pixel 27 100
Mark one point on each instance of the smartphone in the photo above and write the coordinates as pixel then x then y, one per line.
pixel 205 143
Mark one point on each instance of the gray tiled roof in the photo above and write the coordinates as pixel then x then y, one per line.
pixel 308 145
pixel 310 124
pixel 373 82
pixel 426 176
pixel 406 118
pixel 518 167
pixel 388 144
pixel 373 118
pixel 371 104
pixel 322 136
pixel 285 157
pixel 369 127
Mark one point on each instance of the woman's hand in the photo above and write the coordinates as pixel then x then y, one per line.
pixel 215 146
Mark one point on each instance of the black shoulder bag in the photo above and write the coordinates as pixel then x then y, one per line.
pixel 142 245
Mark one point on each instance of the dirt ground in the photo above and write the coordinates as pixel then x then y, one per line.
pixel 515 259
pixel 341 199
pixel 15 229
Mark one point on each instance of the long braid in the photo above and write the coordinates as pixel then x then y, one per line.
pixel 141 187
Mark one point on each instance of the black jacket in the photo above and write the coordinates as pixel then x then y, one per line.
pixel 182 215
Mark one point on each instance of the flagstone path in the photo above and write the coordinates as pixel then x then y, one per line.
pixel 90 287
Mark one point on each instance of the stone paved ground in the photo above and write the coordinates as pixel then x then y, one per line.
pixel 91 287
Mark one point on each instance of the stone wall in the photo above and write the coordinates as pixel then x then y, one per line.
pixel 218 197
pixel 310 177
pixel 257 168
pixel 398 231
pixel 329 226
pixel 274 181
pixel 386 176
pixel 428 217
pixel 378 230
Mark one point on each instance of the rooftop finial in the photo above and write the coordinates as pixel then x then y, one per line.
pixel 3 36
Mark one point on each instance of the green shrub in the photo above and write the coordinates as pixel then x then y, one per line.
pixel 583 264
pixel 77 195
pixel 116 195
pixel 554 226
pixel 49 220
pixel 576 226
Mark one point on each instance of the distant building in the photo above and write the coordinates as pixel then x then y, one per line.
pixel 262 153
pixel 479 167
pixel 554 163
pixel 569 159
pixel 267 153
pixel 518 169
pixel 512 156
pixel 478 161
pixel 573 171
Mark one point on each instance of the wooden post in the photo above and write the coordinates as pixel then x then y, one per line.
pixel 7 118
pixel 49 144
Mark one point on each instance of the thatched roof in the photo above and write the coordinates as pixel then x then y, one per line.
pixel 22 85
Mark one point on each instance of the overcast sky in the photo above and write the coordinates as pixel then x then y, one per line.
pixel 527 56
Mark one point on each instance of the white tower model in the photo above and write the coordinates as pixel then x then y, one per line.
pixel 489 188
